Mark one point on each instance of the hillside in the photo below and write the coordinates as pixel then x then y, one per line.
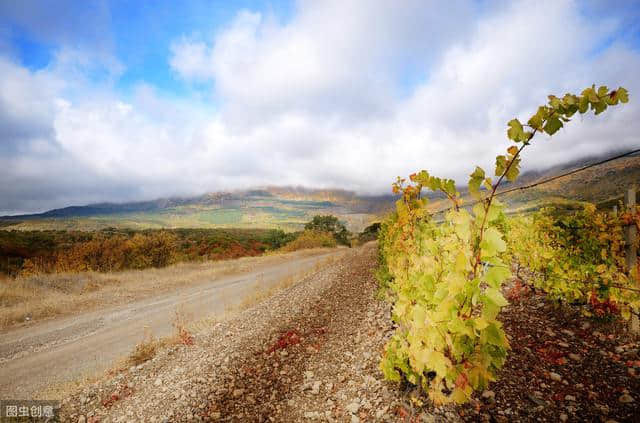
pixel 603 185
pixel 272 207
pixel 289 208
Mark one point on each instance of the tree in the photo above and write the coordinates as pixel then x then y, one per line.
pixel 331 224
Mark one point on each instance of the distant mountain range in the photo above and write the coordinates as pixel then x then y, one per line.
pixel 270 207
pixel 290 207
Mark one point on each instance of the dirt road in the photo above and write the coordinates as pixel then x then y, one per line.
pixel 59 351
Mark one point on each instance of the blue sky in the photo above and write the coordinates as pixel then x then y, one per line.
pixel 120 100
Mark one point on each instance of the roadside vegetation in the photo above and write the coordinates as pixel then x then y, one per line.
pixel 27 253
pixel 51 273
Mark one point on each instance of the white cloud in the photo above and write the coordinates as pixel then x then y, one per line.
pixel 327 99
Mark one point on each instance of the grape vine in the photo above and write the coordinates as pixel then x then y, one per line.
pixel 445 279
pixel 577 257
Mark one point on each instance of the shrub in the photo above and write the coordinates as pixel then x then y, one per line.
pixel 332 225
pixel 311 239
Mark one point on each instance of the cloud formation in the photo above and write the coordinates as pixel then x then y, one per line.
pixel 340 94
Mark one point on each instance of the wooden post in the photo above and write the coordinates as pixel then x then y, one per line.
pixel 631 252
pixel 630 232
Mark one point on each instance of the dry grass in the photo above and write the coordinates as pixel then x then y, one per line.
pixel 310 239
pixel 145 350
pixel 37 297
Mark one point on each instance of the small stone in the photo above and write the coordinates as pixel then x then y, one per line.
pixel 355 419
pixel 563 344
pixel 215 415
pixel 567 332
pixel 353 407
pixel 237 393
pixel 489 395
pixel 625 399
pixel 569 398
pixel 619 350
pixel 555 376
pixel 585 326
pixel 82 419
pixel 564 417
pixel 315 389
pixel 158 382
pixel 308 375
pixel 574 357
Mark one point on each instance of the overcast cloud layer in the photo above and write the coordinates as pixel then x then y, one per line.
pixel 339 94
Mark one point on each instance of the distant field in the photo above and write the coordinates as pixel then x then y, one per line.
pixel 267 213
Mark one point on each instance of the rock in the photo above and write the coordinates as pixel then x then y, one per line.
pixel 625 399
pixel 308 375
pixel 563 344
pixel 238 393
pixel 215 415
pixel 82 419
pixel 158 382
pixel 574 357
pixel 489 395
pixel 555 376
pixel 567 332
pixel 353 407
pixel 585 326
pixel 315 389
pixel 355 419
pixel 563 417
pixel 536 400
pixel 569 398
pixel 619 350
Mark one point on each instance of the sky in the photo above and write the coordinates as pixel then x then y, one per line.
pixel 127 101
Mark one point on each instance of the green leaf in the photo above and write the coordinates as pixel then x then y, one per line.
pixel 496 275
pixel 583 104
pixel 492 242
pixel 495 336
pixel 553 125
pixel 475 181
pixel 501 165
pixel 603 90
pixel 496 297
pixel 515 131
pixel 623 95
pixel 600 107
pixel 514 170
pixel 438 363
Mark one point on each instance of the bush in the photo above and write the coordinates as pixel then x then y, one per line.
pixel 331 224
pixel 311 239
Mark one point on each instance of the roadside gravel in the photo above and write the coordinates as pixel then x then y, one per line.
pixel 309 352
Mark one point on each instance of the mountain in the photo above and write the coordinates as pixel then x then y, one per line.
pixel 602 184
pixel 269 207
pixel 289 208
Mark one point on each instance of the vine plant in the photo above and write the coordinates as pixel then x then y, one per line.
pixel 445 278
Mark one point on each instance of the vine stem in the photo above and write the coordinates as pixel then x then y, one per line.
pixel 490 200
